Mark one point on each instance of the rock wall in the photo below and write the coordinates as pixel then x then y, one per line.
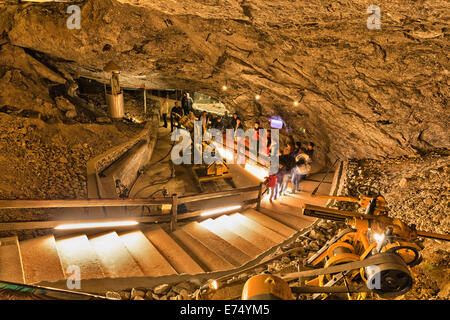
pixel 361 93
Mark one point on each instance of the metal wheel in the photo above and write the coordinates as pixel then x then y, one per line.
pixel 368 191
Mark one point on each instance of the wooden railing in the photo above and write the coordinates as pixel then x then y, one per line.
pixel 171 218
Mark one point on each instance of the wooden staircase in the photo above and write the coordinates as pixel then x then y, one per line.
pixel 222 243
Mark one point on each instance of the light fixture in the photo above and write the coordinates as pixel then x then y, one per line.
pixel 378 237
pixel 295 103
pixel 90 225
pixel 224 88
pixel 258 95
pixel 220 210
pixel 214 285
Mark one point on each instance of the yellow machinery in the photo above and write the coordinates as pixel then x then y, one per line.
pixel 372 234
pixel 373 254
pixel 266 287
pixel 209 172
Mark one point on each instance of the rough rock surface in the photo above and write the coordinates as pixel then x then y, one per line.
pixel 362 93
pixel 48 161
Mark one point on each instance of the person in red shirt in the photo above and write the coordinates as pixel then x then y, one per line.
pixel 271 182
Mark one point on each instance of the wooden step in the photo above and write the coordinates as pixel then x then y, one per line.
pixel 297 223
pixel 299 199
pixel 210 260
pixel 172 252
pixel 116 260
pixel 288 206
pixel 238 227
pixel 77 251
pixel 216 244
pixel 151 262
pixel 10 260
pixel 41 260
pixel 269 222
pixel 231 237
pixel 268 233
pixel 307 186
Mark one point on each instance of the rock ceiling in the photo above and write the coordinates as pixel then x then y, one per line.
pixel 361 93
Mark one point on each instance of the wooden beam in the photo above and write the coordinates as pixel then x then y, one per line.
pixel 85 203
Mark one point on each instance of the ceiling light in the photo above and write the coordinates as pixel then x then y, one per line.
pixel 257 97
pixel 224 88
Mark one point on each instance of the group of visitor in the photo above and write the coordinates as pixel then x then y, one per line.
pixel 294 166
pixel 294 160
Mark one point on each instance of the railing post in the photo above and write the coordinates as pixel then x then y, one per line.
pixel 260 192
pixel 174 217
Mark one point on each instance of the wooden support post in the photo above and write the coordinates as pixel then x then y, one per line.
pixel 145 101
pixel 260 192
pixel 174 217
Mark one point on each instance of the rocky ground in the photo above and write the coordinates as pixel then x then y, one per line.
pixel 427 177
pixel 48 133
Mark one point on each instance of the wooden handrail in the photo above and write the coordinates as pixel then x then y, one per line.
pixel 79 203
pixel 90 203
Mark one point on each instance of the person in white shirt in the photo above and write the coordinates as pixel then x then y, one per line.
pixel 164 110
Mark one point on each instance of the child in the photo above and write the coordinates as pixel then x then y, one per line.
pixel 270 183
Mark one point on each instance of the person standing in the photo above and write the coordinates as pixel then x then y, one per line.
pixel 234 120
pixel 302 169
pixel 280 180
pixel 290 160
pixel 175 116
pixel 310 149
pixel 164 110
pixel 204 119
pixel 187 103
pixel 271 182
pixel 219 124
pixel 294 172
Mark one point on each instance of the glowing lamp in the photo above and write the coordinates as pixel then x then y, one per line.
pixel 90 225
pixel 276 123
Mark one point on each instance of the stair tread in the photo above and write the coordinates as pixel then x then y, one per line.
pixel 268 222
pixel 40 260
pixel 77 251
pixel 295 222
pixel 146 255
pixel 208 258
pixel 255 238
pixel 239 242
pixel 116 260
pixel 268 233
pixel 291 207
pixel 172 252
pixel 216 244
pixel 10 260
